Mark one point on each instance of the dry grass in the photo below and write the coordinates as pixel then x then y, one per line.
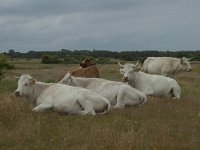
pixel 159 124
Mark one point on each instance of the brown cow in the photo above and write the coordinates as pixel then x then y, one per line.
pixel 86 63
pixel 89 72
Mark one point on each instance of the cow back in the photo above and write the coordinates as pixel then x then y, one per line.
pixel 89 72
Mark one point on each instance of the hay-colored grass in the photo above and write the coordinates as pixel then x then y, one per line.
pixel 158 124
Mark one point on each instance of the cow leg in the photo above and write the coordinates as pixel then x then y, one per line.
pixel 42 107
pixel 126 98
pixel 82 113
pixel 119 105
pixel 85 110
pixel 120 98
pixel 86 104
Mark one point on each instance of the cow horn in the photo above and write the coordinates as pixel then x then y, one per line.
pixel 136 65
pixel 120 64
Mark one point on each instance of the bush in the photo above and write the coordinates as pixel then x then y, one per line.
pixel 103 60
pixel 48 59
pixel 76 59
pixel 4 65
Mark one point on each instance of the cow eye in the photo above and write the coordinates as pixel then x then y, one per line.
pixel 25 84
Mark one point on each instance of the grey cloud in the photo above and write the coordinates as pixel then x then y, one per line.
pixel 88 24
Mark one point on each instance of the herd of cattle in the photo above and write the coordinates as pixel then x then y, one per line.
pixel 82 91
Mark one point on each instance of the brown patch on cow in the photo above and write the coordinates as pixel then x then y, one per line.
pixel 89 72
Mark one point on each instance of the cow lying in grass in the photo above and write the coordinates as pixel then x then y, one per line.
pixel 118 93
pixel 89 72
pixel 61 98
pixel 155 85
pixel 166 66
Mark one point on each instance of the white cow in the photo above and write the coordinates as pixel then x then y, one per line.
pixel 118 93
pixel 155 85
pixel 61 98
pixel 167 66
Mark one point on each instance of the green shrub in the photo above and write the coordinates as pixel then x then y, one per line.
pixel 103 60
pixel 4 65
pixel 48 59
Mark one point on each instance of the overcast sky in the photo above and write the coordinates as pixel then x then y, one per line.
pixel 115 25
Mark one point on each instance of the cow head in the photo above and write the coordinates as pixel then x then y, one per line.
pixel 86 63
pixel 25 85
pixel 67 79
pixel 185 64
pixel 129 71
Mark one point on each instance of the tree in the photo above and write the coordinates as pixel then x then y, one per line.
pixel 48 59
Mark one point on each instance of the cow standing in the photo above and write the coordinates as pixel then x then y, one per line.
pixel 118 93
pixel 61 98
pixel 155 85
pixel 167 66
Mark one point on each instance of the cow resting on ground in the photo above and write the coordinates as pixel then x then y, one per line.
pixel 155 85
pixel 167 66
pixel 89 72
pixel 61 98
pixel 118 93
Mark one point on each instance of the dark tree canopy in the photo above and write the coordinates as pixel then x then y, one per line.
pixel 75 56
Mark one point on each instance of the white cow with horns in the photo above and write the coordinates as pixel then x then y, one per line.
pixel 60 98
pixel 155 85
pixel 167 66
pixel 118 93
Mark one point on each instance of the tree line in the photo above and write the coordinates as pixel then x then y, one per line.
pixel 74 56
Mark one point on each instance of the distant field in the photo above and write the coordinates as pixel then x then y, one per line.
pixel 159 124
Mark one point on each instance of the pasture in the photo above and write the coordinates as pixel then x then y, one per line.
pixel 158 124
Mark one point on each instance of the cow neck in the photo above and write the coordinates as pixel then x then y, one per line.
pixel 38 88
pixel 77 81
pixel 178 69
pixel 136 79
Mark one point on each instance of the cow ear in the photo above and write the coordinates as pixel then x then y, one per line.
pixel 137 69
pixel 33 80
pixel 122 71
pixel 70 73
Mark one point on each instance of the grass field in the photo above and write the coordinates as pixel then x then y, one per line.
pixel 160 124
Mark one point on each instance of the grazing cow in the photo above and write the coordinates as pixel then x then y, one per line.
pixel 155 85
pixel 118 93
pixel 61 98
pixel 89 72
pixel 167 66
pixel 86 63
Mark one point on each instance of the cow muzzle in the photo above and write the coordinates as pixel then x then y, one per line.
pixel 125 79
pixel 189 70
pixel 17 93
